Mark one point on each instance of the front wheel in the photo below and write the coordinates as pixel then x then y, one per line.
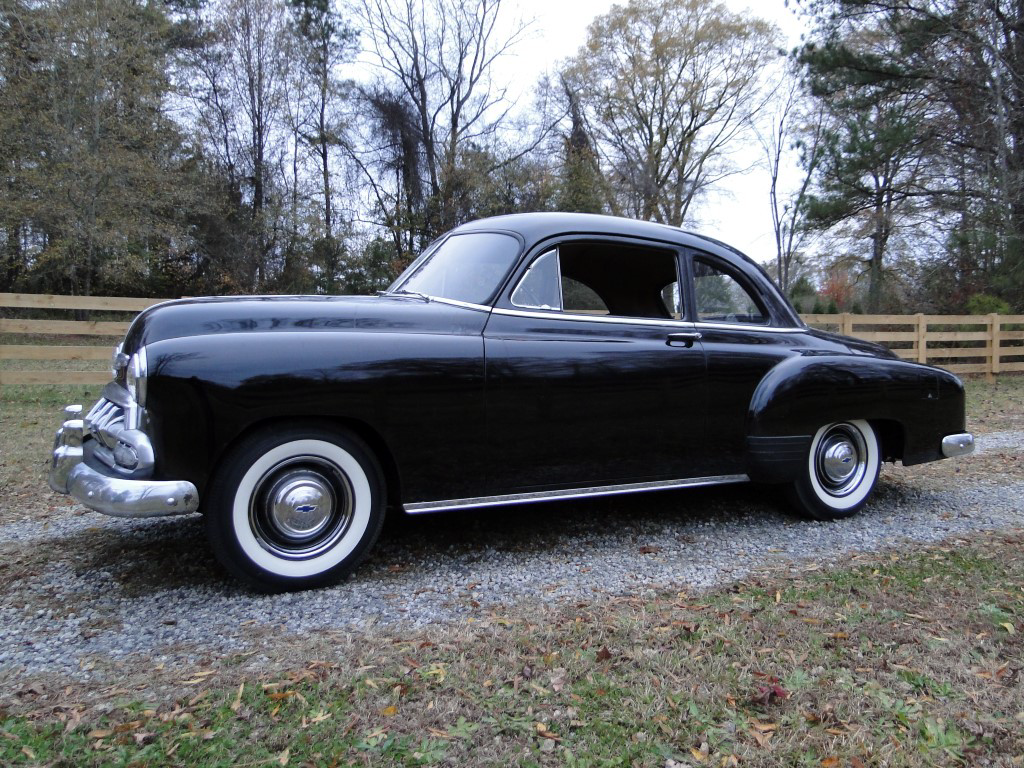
pixel 295 508
pixel 840 472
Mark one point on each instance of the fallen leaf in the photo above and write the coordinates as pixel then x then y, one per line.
pixel 28 753
pixel 389 711
pixel 282 759
pixel 237 703
pixel 544 733
pixel 558 679
pixel 281 696
pixel 99 734
pixel 604 654
pixel 830 762
pixel 762 739
pixel 1008 627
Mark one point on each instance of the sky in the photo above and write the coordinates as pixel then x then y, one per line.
pixel 739 213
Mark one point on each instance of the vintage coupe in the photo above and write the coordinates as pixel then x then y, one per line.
pixel 520 358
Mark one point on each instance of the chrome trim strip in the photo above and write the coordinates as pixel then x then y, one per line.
pixel 751 327
pixel 616 319
pixel 957 445
pixel 457 303
pixel 422 507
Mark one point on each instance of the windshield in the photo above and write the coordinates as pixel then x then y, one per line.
pixel 469 267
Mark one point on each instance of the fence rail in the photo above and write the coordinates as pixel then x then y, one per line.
pixel 989 344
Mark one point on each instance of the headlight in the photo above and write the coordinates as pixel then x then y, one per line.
pixel 135 377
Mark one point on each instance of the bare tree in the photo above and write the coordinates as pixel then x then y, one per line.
pixel 436 97
pixel 668 85
pixel 792 129
pixel 239 96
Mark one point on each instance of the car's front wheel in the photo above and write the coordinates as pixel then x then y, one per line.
pixel 295 508
pixel 840 471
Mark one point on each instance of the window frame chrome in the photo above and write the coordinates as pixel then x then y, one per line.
pixel 526 276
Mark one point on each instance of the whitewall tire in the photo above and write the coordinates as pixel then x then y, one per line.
pixel 295 508
pixel 840 471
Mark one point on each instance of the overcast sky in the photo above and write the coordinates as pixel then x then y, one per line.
pixel 739 214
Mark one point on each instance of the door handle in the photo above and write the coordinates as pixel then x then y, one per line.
pixel 687 338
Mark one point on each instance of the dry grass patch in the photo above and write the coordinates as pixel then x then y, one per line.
pixel 29 416
pixel 995 405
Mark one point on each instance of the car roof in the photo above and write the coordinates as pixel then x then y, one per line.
pixel 535 227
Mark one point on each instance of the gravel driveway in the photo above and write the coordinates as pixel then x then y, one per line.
pixel 84 593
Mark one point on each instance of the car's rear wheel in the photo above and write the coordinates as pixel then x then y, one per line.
pixel 840 472
pixel 295 508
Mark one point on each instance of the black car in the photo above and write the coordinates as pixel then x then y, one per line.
pixel 520 358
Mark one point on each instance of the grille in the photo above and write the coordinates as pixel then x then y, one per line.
pixel 105 421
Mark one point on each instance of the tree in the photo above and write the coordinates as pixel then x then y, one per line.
pixel 966 59
pixel 582 189
pixel 324 43
pixel 240 76
pixel 800 127
pixel 92 160
pixel 667 86
pixel 435 98
pixel 870 177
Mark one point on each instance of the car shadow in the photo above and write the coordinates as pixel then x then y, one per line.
pixel 147 556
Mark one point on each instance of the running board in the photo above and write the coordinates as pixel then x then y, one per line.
pixel 423 507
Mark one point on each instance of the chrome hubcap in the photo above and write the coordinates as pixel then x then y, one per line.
pixel 301 508
pixel 841 459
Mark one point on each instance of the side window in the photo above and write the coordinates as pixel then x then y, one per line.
pixel 603 278
pixel 722 298
pixel 540 288
pixel 672 299
pixel 582 298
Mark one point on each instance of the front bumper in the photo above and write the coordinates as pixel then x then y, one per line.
pixel 120 497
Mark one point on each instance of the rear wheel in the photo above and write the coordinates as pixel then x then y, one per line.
pixel 295 508
pixel 840 473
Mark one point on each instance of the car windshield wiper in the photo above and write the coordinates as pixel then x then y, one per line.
pixel 404 292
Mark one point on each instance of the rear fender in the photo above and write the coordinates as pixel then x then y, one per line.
pixel 914 404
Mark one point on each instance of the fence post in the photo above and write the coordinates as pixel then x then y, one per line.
pixel 922 338
pixel 994 340
pixel 846 324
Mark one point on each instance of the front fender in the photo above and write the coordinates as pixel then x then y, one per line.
pixel 800 394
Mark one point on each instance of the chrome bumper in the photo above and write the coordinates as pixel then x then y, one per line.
pixel 957 445
pixel 112 495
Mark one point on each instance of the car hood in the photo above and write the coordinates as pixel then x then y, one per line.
pixel 262 314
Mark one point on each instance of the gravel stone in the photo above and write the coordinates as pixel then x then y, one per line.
pixel 81 589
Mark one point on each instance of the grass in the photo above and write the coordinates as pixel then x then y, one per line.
pixel 911 660
pixel 996 404
pixel 29 416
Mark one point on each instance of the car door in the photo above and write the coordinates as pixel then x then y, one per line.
pixel 743 336
pixel 592 377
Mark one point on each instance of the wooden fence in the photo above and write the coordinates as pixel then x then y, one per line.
pixel 62 343
pixel 989 344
